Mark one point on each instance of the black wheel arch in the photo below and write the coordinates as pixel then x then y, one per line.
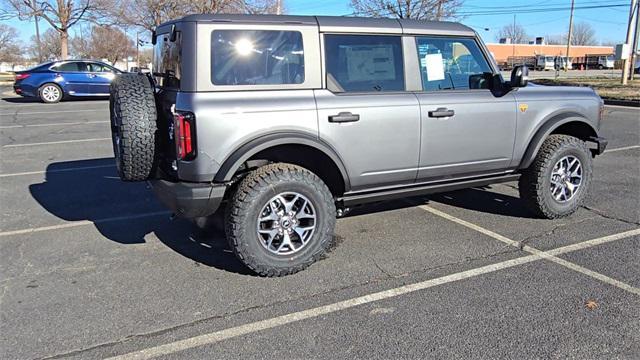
pixel 249 149
pixel 566 123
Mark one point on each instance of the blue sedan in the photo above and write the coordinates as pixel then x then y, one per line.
pixel 53 81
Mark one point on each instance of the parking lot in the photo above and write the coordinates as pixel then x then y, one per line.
pixel 92 267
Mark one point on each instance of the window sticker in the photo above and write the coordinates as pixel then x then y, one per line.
pixel 367 62
pixel 435 67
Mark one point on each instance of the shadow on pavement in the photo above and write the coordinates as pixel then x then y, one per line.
pixel 96 193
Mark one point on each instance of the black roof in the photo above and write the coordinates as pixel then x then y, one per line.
pixel 337 23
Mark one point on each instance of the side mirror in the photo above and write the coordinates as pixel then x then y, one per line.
pixel 519 76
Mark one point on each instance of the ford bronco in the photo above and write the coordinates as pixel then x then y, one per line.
pixel 281 123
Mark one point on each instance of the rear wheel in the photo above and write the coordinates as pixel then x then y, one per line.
pixel 50 93
pixel 280 220
pixel 133 126
pixel 558 180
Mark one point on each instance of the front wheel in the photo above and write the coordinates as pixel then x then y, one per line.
pixel 558 180
pixel 280 220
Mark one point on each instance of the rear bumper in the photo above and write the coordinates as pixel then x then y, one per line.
pixel 600 144
pixel 189 200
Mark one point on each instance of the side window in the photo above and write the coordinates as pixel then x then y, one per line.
pixel 451 64
pixel 93 67
pixel 71 67
pixel 256 57
pixel 364 63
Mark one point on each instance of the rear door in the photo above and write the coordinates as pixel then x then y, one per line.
pixel 75 79
pixel 100 77
pixel 467 130
pixel 365 112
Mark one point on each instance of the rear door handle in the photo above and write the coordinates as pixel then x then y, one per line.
pixel 92 75
pixel 344 117
pixel 441 112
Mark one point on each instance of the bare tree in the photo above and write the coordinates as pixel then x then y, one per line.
pixel 148 14
pixel 108 42
pixel 60 14
pixel 556 39
pixel 407 9
pixel 49 49
pixel 81 43
pixel 515 32
pixel 583 34
pixel 10 48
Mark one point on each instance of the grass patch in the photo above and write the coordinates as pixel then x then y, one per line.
pixel 605 87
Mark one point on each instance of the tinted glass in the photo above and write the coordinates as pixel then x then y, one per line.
pixel 94 67
pixel 364 63
pixel 166 60
pixel 243 57
pixel 451 64
pixel 71 67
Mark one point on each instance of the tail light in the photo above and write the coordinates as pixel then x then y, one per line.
pixel 184 128
pixel 22 76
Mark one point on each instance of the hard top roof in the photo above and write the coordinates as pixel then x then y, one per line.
pixel 338 23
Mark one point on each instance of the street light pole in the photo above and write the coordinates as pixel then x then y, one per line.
pixel 634 56
pixel 566 63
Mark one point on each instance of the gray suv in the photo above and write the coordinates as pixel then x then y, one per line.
pixel 281 123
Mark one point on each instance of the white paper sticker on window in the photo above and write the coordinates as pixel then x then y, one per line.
pixel 435 67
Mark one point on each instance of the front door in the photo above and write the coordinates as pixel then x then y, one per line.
pixel 100 77
pixel 365 114
pixel 74 74
pixel 466 129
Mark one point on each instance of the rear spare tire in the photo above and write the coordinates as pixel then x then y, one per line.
pixel 133 126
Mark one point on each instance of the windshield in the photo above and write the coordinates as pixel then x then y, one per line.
pixel 166 61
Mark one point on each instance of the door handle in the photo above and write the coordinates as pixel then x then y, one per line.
pixel 92 75
pixel 441 112
pixel 344 117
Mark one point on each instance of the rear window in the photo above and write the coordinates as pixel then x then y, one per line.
pixel 256 57
pixel 166 61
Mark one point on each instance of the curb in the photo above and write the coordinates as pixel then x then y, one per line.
pixel 618 102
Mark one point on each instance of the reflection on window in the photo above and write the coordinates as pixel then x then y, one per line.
pixel 166 60
pixel 451 64
pixel 364 63
pixel 244 57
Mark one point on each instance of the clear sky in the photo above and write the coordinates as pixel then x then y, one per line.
pixel 609 22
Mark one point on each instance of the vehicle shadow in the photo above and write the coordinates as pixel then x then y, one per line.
pixel 126 213
pixel 28 100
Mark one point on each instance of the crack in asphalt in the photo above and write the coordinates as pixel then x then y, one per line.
pixel 607 216
pixel 526 240
pixel 387 276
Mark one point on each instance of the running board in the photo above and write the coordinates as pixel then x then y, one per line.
pixel 355 199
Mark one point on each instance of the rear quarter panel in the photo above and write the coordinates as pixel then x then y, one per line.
pixel 227 120
pixel 537 105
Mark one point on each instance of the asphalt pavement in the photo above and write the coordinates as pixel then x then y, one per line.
pixel 92 267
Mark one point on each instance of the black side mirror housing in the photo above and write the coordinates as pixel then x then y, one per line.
pixel 519 76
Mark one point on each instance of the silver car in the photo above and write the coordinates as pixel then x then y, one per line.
pixel 282 123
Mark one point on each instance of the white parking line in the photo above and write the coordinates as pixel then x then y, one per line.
pixel 217 336
pixel 52 124
pixel 546 255
pixel 621 149
pixel 49 112
pixel 54 142
pixel 56 170
pixel 81 223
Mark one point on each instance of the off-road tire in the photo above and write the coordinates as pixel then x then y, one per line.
pixel 245 205
pixel 535 183
pixel 133 117
pixel 44 99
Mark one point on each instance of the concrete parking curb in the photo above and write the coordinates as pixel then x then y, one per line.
pixel 618 102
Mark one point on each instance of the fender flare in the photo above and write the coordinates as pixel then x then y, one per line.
pixel 233 162
pixel 549 125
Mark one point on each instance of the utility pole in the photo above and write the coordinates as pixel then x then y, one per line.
pixel 634 48
pixel 279 7
pixel 138 49
pixel 566 63
pixel 35 18
pixel 513 36
pixel 630 31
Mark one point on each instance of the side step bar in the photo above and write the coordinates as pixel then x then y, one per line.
pixel 355 199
